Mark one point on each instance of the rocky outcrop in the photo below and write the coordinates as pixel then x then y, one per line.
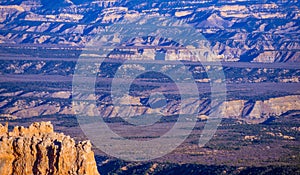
pixel 39 150
pixel 258 111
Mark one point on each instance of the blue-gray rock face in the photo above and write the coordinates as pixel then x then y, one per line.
pixel 245 31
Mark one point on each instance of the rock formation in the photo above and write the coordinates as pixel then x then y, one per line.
pixel 251 111
pixel 39 150
pixel 258 31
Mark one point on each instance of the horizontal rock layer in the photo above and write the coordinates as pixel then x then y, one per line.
pixel 251 110
pixel 237 30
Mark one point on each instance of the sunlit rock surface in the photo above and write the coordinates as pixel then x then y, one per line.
pixel 39 150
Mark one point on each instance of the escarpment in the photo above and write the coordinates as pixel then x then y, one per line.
pixel 39 150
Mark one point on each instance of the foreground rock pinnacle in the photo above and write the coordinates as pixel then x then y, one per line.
pixel 39 150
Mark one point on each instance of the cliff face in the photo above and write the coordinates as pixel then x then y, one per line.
pixel 260 110
pixel 252 110
pixel 40 150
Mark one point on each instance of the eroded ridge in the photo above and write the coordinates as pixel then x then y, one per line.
pixel 39 150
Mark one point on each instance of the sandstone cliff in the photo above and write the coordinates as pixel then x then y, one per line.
pixel 39 150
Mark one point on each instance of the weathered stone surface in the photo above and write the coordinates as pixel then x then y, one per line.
pixel 39 150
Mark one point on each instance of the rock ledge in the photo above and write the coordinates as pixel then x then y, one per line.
pixel 39 150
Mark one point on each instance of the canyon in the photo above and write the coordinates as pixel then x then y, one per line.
pixel 250 49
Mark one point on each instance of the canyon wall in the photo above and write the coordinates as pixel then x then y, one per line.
pixel 39 150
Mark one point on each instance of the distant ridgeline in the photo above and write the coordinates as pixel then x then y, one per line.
pixel 259 31
pixel 44 101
